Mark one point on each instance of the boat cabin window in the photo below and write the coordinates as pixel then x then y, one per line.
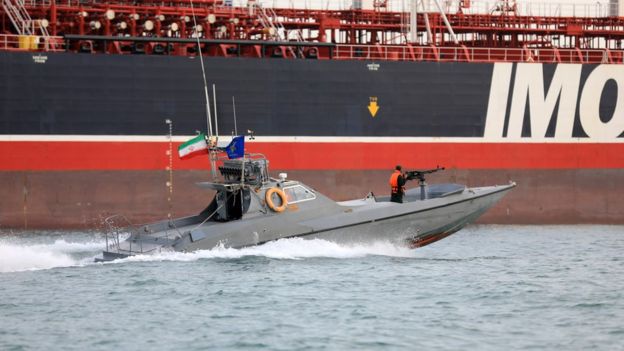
pixel 298 193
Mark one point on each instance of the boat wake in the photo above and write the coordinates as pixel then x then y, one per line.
pixel 287 249
pixel 19 255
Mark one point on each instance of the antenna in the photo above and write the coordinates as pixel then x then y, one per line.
pixel 169 154
pixel 234 109
pixel 201 59
pixel 214 97
pixel 212 154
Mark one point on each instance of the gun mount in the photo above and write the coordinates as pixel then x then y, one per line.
pixel 420 175
pixel 252 170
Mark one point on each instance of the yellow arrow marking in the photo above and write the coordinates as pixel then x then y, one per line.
pixel 372 106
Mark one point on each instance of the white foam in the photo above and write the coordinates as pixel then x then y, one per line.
pixel 288 249
pixel 15 258
pixel 16 255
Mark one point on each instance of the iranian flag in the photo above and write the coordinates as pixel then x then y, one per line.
pixel 193 147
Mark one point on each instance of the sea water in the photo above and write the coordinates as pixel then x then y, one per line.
pixel 485 288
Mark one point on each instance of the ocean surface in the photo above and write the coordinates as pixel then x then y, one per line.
pixel 484 288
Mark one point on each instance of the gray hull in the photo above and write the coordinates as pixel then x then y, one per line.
pixel 414 223
pixel 422 227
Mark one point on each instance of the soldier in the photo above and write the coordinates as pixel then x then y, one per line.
pixel 397 185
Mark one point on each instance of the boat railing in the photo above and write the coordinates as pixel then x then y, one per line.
pixel 119 227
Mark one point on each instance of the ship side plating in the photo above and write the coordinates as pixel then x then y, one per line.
pixel 337 97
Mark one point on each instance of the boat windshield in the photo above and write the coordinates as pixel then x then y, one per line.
pixel 298 193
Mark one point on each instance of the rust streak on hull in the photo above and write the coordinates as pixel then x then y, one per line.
pixel 79 199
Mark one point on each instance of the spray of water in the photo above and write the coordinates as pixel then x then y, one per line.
pixel 16 255
pixel 287 249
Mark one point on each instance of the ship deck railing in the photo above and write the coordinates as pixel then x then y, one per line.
pixel 526 8
pixel 32 43
pixel 475 54
pixel 327 51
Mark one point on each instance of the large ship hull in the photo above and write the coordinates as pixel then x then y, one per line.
pixel 85 135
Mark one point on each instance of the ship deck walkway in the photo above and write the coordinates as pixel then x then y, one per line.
pixel 303 50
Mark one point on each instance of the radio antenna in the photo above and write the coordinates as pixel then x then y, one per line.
pixel 214 99
pixel 201 59
pixel 234 109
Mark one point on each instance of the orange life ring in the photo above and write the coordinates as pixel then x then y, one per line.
pixel 269 199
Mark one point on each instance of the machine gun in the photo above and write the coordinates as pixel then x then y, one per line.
pixel 420 175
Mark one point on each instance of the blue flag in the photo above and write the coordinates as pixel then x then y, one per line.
pixel 236 148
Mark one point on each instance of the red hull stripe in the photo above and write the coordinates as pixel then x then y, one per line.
pixel 72 155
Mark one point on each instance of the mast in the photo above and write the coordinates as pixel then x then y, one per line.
pixel 212 152
pixel 234 109
pixel 214 99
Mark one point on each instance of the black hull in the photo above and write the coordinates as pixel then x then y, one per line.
pixel 70 128
pixel 91 94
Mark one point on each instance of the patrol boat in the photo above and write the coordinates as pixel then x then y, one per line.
pixel 252 208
